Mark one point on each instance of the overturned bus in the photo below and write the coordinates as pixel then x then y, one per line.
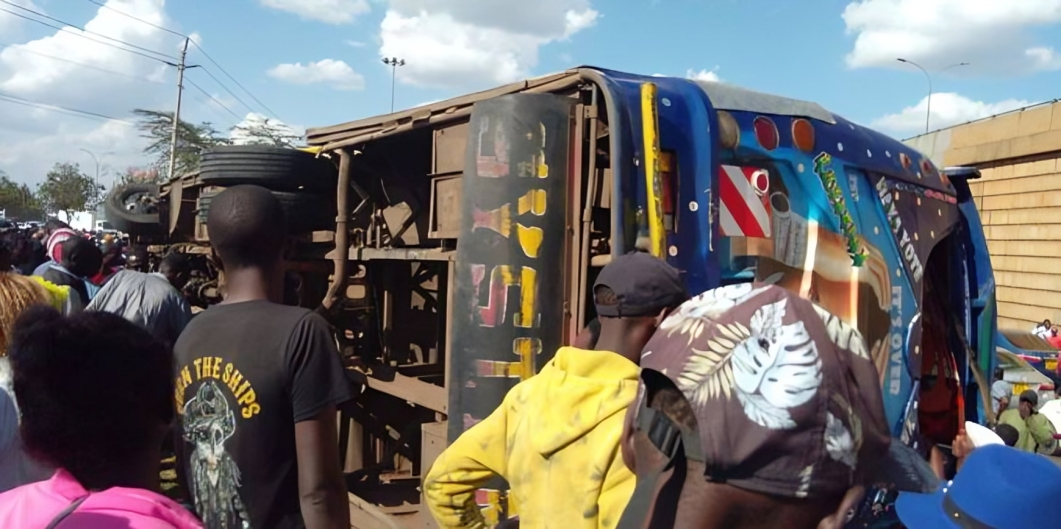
pixel 454 246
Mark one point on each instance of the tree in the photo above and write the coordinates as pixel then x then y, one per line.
pixel 67 189
pixel 257 129
pixel 192 140
pixel 18 201
pixel 139 175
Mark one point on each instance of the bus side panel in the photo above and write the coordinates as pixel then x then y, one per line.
pixel 984 322
pixel 508 306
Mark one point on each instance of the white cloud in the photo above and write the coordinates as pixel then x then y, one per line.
pixel 9 23
pixel 331 72
pixel 355 43
pixel 328 11
pixel 463 44
pixel 66 70
pixel 710 76
pixel 995 36
pixel 242 133
pixel 947 109
pixel 1044 58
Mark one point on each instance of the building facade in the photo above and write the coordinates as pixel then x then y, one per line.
pixel 1019 198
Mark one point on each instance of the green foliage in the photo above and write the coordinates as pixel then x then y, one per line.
pixel 67 189
pixel 18 201
pixel 192 140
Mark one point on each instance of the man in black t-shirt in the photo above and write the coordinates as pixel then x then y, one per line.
pixel 257 387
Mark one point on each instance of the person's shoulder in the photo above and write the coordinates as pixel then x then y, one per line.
pixel 1001 384
pixel 137 509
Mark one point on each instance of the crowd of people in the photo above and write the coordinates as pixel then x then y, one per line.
pixel 741 407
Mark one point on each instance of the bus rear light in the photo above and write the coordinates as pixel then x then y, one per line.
pixel 926 168
pixel 728 131
pixel 803 134
pixel 766 132
pixel 905 160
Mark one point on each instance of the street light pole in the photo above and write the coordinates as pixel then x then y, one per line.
pixel 928 103
pixel 394 63
pixel 95 189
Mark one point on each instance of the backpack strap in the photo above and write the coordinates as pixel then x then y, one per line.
pixel 66 512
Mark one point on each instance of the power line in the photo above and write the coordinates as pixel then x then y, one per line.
pixel 86 37
pixel 214 99
pixel 142 21
pixel 55 108
pixel 215 63
pixel 205 54
pixel 23 49
pixel 216 113
pixel 230 92
pixel 53 19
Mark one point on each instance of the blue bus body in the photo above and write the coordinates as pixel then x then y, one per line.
pixel 884 204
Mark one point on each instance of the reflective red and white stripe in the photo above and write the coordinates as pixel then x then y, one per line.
pixel 742 195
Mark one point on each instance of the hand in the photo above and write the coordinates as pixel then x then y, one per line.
pixel 962 445
pixel 511 523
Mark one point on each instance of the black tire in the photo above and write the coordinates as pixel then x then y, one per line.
pixel 274 168
pixel 133 209
pixel 307 212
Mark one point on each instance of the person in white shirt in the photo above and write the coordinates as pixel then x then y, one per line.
pixel 1042 330
pixel 1001 393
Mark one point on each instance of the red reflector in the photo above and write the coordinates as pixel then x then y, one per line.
pixel 766 132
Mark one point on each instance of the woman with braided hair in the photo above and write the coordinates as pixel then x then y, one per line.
pixel 17 294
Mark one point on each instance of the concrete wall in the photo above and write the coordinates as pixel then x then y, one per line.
pixel 1019 198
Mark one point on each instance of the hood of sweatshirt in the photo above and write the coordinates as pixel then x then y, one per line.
pixel 578 390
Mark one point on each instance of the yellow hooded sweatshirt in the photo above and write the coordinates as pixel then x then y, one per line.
pixel 555 439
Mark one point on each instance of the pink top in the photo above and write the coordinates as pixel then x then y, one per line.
pixel 34 506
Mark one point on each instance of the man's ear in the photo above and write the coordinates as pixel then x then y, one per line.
pixel 662 316
pixel 848 504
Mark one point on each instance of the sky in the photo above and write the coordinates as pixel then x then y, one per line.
pixel 306 63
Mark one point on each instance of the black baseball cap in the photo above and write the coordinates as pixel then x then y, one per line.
pixel 643 285
pixel 1031 397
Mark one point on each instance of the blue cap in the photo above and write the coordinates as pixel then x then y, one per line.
pixel 998 487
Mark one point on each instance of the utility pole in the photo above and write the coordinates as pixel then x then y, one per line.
pixel 177 113
pixel 928 103
pixel 394 63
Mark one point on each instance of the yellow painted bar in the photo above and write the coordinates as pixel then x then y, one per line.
pixel 653 183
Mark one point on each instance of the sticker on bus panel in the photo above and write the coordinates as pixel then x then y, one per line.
pixel 744 201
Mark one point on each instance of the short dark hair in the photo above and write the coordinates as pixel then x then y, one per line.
pixel 175 262
pixel 1008 434
pixel 604 295
pixel 82 257
pixel 92 388
pixel 247 227
pixel 668 399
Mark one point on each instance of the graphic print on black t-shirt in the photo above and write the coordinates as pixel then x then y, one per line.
pixel 208 423
pixel 246 374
